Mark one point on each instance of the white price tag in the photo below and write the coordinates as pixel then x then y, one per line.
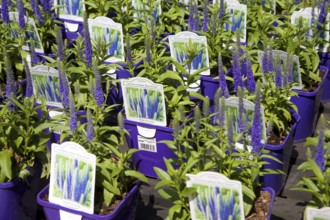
pixel 147 144
pixel 69 216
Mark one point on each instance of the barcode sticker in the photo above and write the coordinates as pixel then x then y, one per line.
pixel 147 144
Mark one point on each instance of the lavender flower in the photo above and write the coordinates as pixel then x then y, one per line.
pixel 29 88
pixel 250 83
pixel 4 10
pixel 197 118
pixel 270 58
pixel 196 20
pixel 128 49
pixel 47 5
pixel 34 57
pixel 10 83
pixel 319 154
pixel 257 127
pixel 206 16
pixel 147 46
pixel 222 78
pixel 265 59
pixel 98 92
pixel 88 43
pixel 222 9
pixel 64 86
pixel 237 70
pixel 59 42
pixel 241 111
pixel 21 14
pixel 290 68
pixel 191 19
pixel 278 72
pixel 36 11
pixel 90 127
pixel 322 15
pixel 73 115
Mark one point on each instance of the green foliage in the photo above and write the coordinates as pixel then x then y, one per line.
pixel 316 182
pixel 115 173
pixel 202 144
pixel 23 138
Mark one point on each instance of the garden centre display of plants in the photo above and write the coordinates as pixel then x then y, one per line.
pixel 69 69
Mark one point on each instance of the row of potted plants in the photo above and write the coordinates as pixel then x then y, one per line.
pixel 85 85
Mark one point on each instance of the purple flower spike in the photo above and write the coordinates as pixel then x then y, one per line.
pixel 322 16
pixel 90 127
pixel 88 43
pixel 64 85
pixel 128 49
pixel 34 57
pixel 59 41
pixel 191 19
pixel 98 92
pixel 222 78
pixel 222 9
pixel 46 5
pixel 250 83
pixel 278 73
pixel 206 16
pixel 319 154
pixel 29 88
pixel 257 127
pixel 36 11
pixel 147 46
pixel 237 70
pixel 265 59
pixel 21 14
pixel 4 9
pixel 270 59
pixel 241 111
pixel 73 115
pixel 10 82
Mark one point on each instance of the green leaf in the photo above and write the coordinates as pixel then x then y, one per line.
pixel 136 175
pixel 5 163
pixel 162 174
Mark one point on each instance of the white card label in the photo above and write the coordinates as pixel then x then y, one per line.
pixel 69 216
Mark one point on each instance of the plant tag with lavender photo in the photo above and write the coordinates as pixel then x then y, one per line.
pixel 72 179
pixel 144 101
pixel 289 67
pixel 142 7
pixel 184 41
pixel 242 118
pixel 237 18
pixel 312 213
pixel 45 81
pixel 216 197
pixel 70 9
pixel 104 30
pixel 304 17
pixel 31 32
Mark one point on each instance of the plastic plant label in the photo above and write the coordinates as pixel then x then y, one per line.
pixel 237 18
pixel 104 30
pixel 216 197
pixel 53 114
pixel 147 144
pixel 317 214
pixel 144 101
pixel 70 10
pixel 30 33
pixel 242 122
pixel 45 81
pixel 143 7
pixel 304 17
pixel 72 179
pixel 69 216
pixel 184 41
pixel 294 67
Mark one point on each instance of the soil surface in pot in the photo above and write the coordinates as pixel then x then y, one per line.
pixel 277 137
pixel 313 86
pixel 261 207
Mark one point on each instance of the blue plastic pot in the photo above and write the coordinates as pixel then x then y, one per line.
pixel 283 153
pixel 11 194
pixel 308 104
pixel 325 61
pixel 124 211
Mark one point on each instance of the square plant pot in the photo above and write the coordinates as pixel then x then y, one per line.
pixel 125 210
pixel 308 104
